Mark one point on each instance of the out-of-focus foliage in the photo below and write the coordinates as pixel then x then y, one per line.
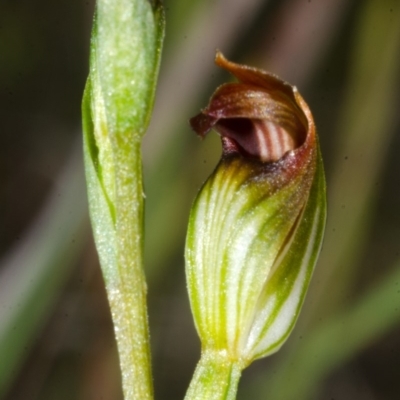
pixel 343 56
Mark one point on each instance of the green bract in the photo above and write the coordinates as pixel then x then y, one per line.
pixel 118 100
pixel 256 227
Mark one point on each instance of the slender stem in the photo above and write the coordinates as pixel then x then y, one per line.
pixel 216 378
pixel 127 296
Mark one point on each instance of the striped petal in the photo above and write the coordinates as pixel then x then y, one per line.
pixel 256 226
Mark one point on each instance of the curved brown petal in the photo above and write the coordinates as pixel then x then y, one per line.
pixel 261 116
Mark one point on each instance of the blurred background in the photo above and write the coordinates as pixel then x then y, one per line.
pixel 56 338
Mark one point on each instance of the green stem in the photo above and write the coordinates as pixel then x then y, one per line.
pixel 216 378
pixel 125 53
pixel 127 294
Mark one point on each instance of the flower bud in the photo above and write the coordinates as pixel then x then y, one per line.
pixel 256 226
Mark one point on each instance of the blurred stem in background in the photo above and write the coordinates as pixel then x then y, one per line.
pixel 364 133
pixel 32 275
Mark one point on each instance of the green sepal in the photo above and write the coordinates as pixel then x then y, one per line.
pixel 280 303
pixel 240 225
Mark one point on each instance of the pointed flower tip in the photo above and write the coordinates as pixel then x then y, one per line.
pixel 256 227
pixel 202 124
pixel 220 59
